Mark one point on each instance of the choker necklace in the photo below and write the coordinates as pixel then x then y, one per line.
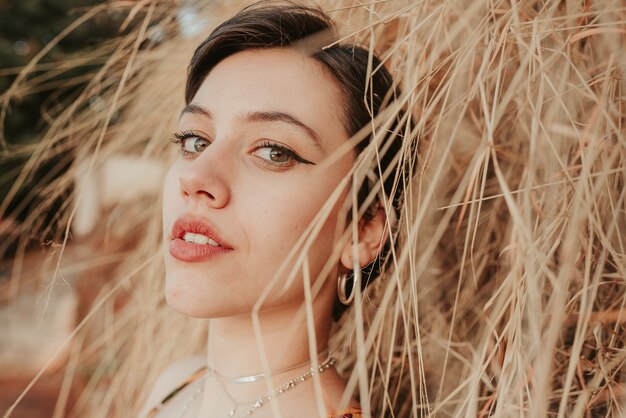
pixel 261 376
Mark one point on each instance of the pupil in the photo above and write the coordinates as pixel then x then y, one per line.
pixel 277 153
pixel 199 146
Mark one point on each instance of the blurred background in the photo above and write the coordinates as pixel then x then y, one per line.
pixel 26 27
pixel 38 314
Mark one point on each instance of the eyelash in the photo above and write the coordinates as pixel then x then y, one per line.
pixel 179 138
pixel 287 151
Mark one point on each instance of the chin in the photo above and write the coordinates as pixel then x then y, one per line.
pixel 184 309
pixel 186 302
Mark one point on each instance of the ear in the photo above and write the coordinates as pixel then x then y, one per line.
pixel 370 241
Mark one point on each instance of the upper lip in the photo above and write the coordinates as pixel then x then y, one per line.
pixel 196 225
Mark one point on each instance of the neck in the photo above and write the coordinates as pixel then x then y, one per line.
pixel 276 340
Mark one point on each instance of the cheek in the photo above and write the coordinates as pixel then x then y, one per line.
pixel 171 197
pixel 282 214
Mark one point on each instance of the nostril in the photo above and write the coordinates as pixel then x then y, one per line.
pixel 205 193
pixel 198 193
pixel 196 187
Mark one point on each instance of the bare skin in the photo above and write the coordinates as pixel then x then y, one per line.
pixel 260 202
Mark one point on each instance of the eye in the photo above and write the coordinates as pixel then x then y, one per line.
pixel 275 154
pixel 194 144
pixel 190 143
pixel 278 155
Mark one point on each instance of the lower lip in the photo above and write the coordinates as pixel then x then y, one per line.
pixel 189 251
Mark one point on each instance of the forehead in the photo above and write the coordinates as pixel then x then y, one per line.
pixel 278 80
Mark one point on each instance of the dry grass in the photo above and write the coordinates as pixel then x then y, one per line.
pixel 506 297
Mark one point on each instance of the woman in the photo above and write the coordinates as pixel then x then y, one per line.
pixel 507 289
pixel 265 142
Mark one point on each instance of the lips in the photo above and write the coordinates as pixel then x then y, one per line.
pixel 190 251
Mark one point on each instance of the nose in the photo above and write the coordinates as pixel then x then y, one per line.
pixel 203 181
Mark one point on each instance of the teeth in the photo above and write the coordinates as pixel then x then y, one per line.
pixel 189 237
pixel 199 239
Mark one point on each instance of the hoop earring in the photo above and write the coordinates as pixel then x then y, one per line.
pixel 342 288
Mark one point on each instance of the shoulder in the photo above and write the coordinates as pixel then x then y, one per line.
pixel 170 378
pixel 179 370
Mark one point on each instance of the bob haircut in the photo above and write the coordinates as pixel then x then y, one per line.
pixel 283 24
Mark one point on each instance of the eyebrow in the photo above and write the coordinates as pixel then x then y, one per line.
pixel 273 116
pixel 265 116
pixel 196 110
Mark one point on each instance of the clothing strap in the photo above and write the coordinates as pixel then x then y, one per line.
pixel 188 380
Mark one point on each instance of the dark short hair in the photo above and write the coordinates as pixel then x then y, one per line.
pixel 271 24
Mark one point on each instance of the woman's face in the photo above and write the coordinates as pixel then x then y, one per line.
pixel 254 138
